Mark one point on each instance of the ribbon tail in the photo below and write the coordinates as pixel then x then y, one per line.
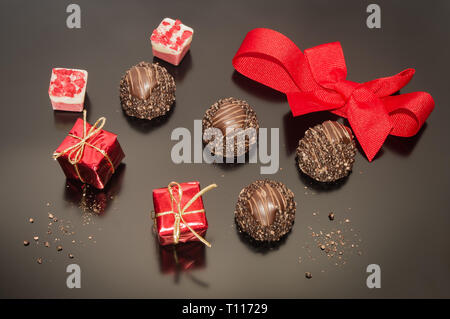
pixel 193 199
pixel 408 112
pixel 391 84
pixel 369 121
pixel 176 229
pixel 182 212
pixel 200 193
pixel 203 240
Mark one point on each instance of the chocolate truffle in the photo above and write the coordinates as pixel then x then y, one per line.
pixel 147 91
pixel 327 151
pixel 236 120
pixel 265 210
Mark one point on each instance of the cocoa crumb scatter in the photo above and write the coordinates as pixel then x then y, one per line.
pixel 61 228
pixel 338 241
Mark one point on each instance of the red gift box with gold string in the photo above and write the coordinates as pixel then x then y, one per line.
pixel 89 153
pixel 179 214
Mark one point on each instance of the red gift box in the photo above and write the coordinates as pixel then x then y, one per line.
pixel 89 153
pixel 179 213
pixel 182 257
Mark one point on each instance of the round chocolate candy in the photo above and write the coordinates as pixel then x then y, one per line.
pixel 236 127
pixel 147 91
pixel 265 210
pixel 327 151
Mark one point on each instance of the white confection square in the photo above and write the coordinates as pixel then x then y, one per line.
pixel 164 28
pixel 77 98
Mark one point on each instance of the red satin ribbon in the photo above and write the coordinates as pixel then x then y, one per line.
pixel 316 81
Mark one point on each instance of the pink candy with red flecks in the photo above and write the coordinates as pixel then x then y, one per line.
pixel 67 89
pixel 171 40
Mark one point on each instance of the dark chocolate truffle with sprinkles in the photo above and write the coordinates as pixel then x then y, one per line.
pixel 236 121
pixel 147 91
pixel 327 151
pixel 265 210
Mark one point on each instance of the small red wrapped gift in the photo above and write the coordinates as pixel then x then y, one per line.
pixel 89 153
pixel 179 213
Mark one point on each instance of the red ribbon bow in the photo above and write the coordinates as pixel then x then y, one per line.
pixel 316 81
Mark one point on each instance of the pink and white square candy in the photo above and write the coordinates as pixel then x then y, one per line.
pixel 171 40
pixel 68 89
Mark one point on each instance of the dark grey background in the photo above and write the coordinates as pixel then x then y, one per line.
pixel 398 204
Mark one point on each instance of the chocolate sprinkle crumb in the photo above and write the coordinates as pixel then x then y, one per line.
pixel 61 229
pixel 331 216
pixel 308 275
pixel 338 242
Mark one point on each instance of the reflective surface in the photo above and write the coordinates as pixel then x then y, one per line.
pixel 397 207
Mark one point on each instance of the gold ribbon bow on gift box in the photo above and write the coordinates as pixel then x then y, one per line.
pixel 179 212
pixel 76 151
